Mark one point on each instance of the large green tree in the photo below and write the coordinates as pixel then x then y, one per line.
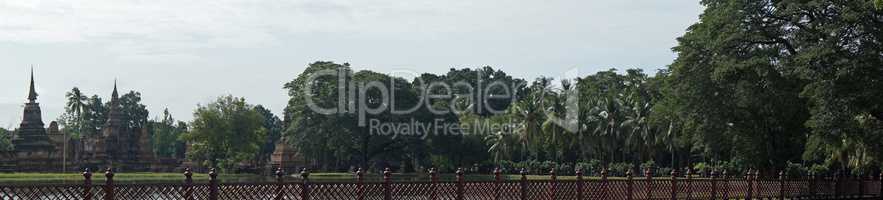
pixel 136 113
pixel 225 133
pixel 727 83
pixel 323 138
pixel 95 116
pixel 166 133
pixel 782 78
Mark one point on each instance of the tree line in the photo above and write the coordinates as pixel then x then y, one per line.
pixel 763 84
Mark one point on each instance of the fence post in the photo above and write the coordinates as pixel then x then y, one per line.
pixel 460 184
pixel 713 183
pixel 726 187
pixel 579 184
pixel 880 180
pixel 433 176
pixel 850 179
pixel 523 183
pixel 782 185
pixel 648 176
pixel 854 178
pixel 837 184
pixel 603 184
pixel 387 189
pixel 553 185
pixel 827 181
pixel 280 183
pixel 360 185
pixel 674 184
pixel 305 191
pixel 188 184
pixel 861 185
pixel 812 184
pixel 630 187
pixel 689 184
pixel 498 179
pixel 108 184
pixel 87 184
pixel 750 188
pixel 213 184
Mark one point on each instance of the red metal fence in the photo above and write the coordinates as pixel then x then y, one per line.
pixel 689 186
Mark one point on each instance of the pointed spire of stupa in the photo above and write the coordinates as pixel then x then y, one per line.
pixel 114 96
pixel 32 95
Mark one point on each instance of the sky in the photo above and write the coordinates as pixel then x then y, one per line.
pixel 180 54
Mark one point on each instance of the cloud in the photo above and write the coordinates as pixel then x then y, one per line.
pixel 138 29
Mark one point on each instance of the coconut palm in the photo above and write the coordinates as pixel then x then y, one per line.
pixel 76 103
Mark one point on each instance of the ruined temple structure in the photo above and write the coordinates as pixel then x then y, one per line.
pixel 286 157
pixel 33 150
pixel 117 146
pixel 123 148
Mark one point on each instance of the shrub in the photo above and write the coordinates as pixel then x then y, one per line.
pixel 564 169
pixel 818 169
pixel 590 168
pixel 795 169
pixel 619 169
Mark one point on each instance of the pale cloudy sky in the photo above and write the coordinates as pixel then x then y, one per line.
pixel 182 53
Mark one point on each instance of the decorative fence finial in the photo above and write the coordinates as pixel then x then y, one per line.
pixel 279 174
pixel 304 173
pixel 109 173
pixel 604 173
pixel 387 174
pixel 433 174
pixel 87 173
pixel 523 173
pixel 187 173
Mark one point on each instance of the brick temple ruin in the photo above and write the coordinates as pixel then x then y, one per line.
pixel 41 149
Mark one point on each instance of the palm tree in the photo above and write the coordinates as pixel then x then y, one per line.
pixel 607 125
pixel 76 103
pixel 529 113
pixel 559 120
pixel 636 111
pixel 502 143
